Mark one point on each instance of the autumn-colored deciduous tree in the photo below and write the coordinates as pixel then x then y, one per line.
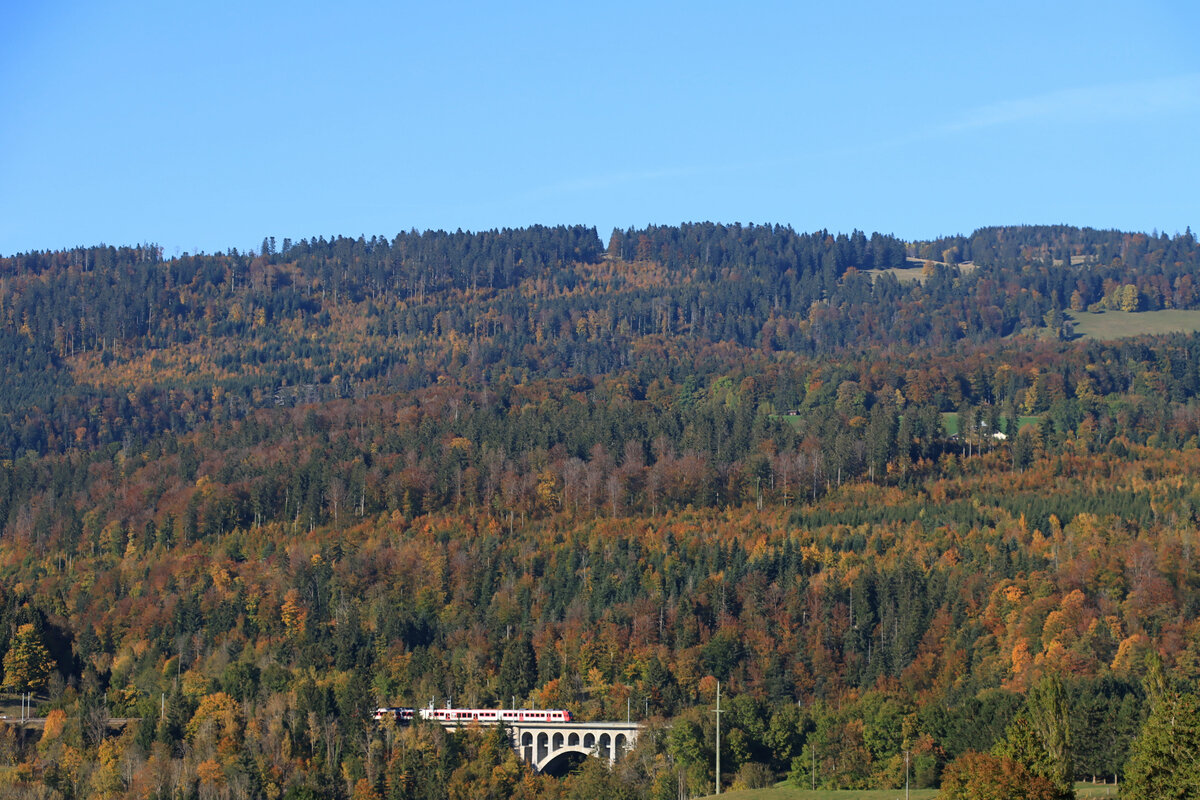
pixel 216 727
pixel 1131 298
pixel 51 743
pixel 27 664
pixel 56 720
pixel 985 776
pixel 211 777
pixel 293 613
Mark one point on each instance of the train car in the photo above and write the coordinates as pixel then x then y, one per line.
pixel 496 715
pixel 465 715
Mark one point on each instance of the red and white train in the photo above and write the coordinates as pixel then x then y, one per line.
pixel 474 714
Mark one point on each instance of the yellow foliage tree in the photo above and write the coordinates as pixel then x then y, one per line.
pixel 51 743
pixel 1131 298
pixel 216 724
pixel 107 779
pixel 53 727
pixel 27 665
pixel 210 774
pixel 293 613
pixel 547 489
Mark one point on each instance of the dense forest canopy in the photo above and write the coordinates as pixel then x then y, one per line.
pixel 876 488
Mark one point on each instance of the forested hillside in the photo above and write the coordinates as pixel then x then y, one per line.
pixel 894 506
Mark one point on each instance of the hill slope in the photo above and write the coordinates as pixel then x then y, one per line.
pixel 247 498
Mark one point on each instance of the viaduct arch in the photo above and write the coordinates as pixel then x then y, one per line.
pixel 540 744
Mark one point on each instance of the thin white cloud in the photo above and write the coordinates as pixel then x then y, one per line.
pixel 1118 100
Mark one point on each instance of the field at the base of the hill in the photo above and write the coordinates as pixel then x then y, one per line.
pixel 784 792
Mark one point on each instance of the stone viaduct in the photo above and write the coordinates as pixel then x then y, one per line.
pixel 540 744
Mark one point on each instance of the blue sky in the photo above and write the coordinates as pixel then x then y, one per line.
pixel 206 126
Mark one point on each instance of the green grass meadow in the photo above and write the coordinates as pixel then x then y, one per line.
pixel 789 793
pixel 950 423
pixel 1122 324
pixel 784 792
pixel 903 274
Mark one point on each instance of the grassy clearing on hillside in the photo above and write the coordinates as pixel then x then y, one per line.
pixel 791 419
pixel 784 792
pixel 1121 324
pixel 950 423
pixel 904 275
pixel 914 273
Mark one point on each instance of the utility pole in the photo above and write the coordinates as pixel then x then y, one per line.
pixel 718 713
pixel 906 774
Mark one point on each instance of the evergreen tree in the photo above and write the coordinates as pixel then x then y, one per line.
pixel 518 668
pixel 1165 758
pixel 1022 451
pixel 1165 762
